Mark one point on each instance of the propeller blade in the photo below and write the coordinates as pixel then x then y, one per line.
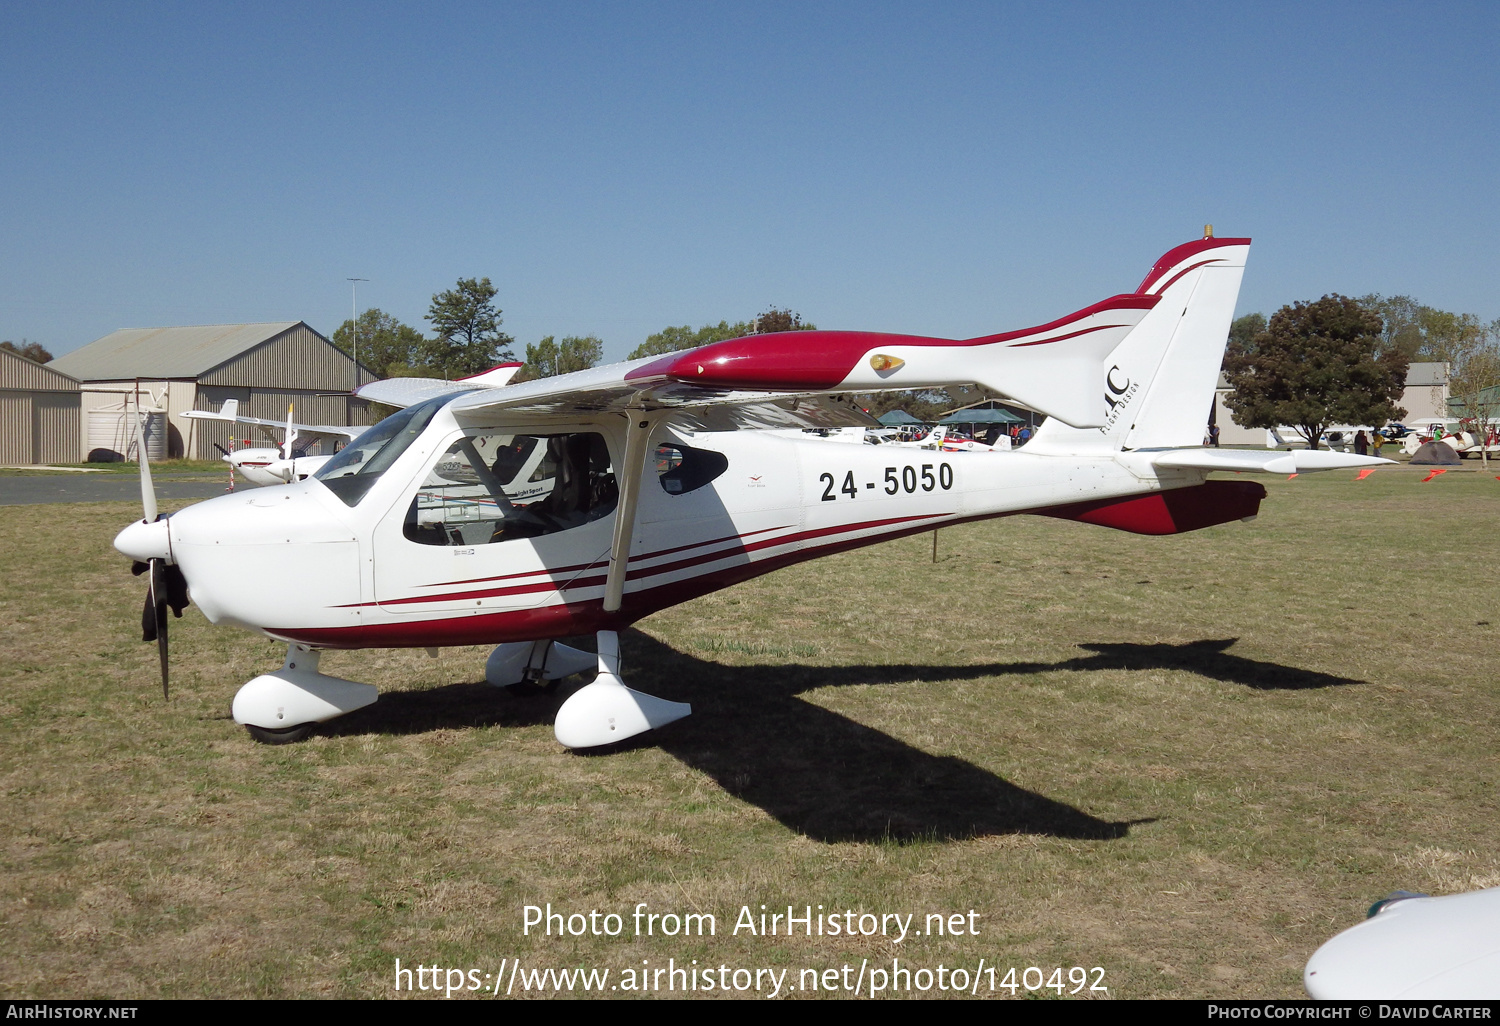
pixel 148 611
pixel 167 588
pixel 148 490
pixel 159 610
pixel 291 434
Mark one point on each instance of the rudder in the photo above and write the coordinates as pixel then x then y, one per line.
pixel 1159 382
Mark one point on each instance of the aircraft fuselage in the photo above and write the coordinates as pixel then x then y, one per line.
pixel 413 563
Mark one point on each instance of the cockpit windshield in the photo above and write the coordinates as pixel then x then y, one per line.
pixel 358 465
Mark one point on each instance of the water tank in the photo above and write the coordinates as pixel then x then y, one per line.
pixel 113 431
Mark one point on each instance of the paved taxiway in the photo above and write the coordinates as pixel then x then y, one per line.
pixel 30 490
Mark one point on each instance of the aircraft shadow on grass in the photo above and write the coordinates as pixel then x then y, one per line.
pixel 1205 658
pixel 817 772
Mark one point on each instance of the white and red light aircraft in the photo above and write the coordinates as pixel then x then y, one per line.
pixel 641 491
pixel 939 438
pixel 273 465
pixel 281 464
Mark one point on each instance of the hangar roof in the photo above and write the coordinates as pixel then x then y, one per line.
pixel 165 352
pixel 17 372
pixel 1421 375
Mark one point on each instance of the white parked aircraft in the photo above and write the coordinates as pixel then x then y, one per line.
pixel 1455 436
pixel 422 531
pixel 939 438
pixel 272 465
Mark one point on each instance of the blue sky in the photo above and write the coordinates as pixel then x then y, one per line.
pixel 950 169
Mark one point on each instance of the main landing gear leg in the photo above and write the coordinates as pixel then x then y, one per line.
pixel 528 667
pixel 285 705
pixel 607 711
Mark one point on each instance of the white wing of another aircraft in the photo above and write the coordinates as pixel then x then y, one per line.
pixel 230 411
pixel 273 465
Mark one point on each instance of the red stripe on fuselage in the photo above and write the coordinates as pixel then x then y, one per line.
pixel 554 571
pixel 640 573
pixel 571 618
pixel 1071 334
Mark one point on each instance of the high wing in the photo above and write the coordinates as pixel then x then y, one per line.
pixel 604 389
pixel 230 412
pixel 805 378
pixel 610 389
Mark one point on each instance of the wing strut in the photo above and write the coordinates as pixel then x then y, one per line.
pixel 605 711
pixel 632 473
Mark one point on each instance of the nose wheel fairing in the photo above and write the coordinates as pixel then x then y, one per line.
pixel 298 694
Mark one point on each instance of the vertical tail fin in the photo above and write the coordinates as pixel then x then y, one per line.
pixel 1159 382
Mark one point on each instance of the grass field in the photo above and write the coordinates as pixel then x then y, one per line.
pixel 1186 760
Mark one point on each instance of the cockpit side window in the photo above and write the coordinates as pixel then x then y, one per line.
pixel 500 486
pixel 682 469
pixel 358 465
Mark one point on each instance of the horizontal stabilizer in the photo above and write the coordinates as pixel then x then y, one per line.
pixel 1299 461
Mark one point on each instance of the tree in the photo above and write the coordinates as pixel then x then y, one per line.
pixel 671 340
pixel 549 357
pixel 1475 383
pixel 31 350
pixel 1400 322
pixel 1316 364
pixel 466 326
pixel 780 320
pixel 1244 329
pixel 1423 332
pixel 1448 335
pixel 926 405
pixel 386 346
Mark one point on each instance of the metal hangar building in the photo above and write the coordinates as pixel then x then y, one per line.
pixel 39 413
pixel 265 366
